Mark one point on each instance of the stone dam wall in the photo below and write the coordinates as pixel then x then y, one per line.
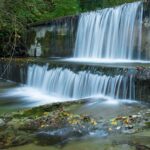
pixel 56 38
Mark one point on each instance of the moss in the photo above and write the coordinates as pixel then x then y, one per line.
pixel 147 124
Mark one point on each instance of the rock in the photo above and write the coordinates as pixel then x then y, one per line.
pixel 118 128
pixel 2 122
pixel 129 127
pixel 134 116
pixel 130 131
pixel 147 124
pixel 142 147
pixel 20 140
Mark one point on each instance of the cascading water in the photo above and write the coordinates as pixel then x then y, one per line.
pixel 112 33
pixel 67 84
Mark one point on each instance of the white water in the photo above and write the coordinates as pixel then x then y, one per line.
pixel 112 33
pixel 59 82
pixel 107 61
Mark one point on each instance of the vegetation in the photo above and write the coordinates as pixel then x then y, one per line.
pixel 87 5
pixel 17 14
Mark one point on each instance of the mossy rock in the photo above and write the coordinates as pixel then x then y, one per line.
pixel 147 124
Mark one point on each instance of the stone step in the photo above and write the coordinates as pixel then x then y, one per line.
pixel 17 71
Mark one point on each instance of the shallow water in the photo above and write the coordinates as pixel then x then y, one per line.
pixel 16 96
pixel 120 142
pixel 100 108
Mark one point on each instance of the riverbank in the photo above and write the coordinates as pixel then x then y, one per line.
pixel 60 124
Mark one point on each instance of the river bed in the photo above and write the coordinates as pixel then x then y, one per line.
pixel 99 108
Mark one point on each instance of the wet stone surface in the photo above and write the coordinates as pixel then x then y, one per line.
pixel 56 125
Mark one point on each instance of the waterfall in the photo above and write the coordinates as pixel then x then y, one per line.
pixel 111 33
pixel 62 82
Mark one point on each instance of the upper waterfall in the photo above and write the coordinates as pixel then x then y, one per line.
pixel 111 33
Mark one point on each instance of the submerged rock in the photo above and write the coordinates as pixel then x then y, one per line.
pixel 129 131
pixel 12 137
pixel 55 124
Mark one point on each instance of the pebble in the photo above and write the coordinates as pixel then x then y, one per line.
pixel 134 116
pixel 2 122
pixel 118 128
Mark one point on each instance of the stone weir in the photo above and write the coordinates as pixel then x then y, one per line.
pixel 53 38
pixel 72 80
pixel 57 38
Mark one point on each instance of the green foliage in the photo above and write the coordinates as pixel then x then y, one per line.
pixel 17 14
pixel 34 10
pixel 87 5
pixel 65 7
pixel 110 3
pixel 23 12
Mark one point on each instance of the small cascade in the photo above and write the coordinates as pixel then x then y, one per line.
pixel 62 82
pixel 111 33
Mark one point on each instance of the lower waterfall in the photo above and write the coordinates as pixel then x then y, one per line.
pixel 62 82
